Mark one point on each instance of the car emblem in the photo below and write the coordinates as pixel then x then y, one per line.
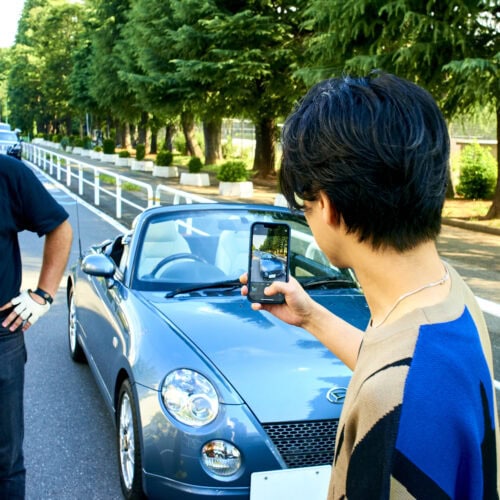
pixel 336 395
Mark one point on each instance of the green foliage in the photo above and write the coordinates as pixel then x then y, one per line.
pixel 98 149
pixel 56 138
pixel 87 142
pixel 65 142
pixel 140 152
pixel 233 171
pixel 124 154
pixel 108 146
pixel 477 173
pixel 164 158
pixel 77 142
pixel 195 165
pixel 180 144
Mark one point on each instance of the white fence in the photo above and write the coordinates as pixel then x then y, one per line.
pixel 89 177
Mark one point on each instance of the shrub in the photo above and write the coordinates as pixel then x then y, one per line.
pixel 77 142
pixel 108 146
pixel 98 149
pixel 477 173
pixel 65 142
pixel 233 171
pixel 124 154
pixel 164 158
pixel 87 142
pixel 195 165
pixel 140 152
pixel 56 138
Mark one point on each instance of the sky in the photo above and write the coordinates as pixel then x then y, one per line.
pixel 11 12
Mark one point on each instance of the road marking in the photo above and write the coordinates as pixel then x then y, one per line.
pixel 488 306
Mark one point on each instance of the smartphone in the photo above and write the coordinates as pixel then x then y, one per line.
pixel 268 260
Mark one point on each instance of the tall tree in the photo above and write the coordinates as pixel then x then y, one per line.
pixel 451 48
pixel 113 94
pixel 38 83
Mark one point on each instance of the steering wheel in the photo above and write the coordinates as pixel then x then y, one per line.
pixel 176 256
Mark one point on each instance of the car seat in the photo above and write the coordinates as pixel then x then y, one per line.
pixel 162 240
pixel 232 252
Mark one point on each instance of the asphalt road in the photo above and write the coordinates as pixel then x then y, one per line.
pixel 69 435
pixel 69 440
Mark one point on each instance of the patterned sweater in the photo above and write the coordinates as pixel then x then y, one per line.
pixel 420 417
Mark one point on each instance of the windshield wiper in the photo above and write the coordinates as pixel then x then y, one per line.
pixel 330 282
pixel 228 284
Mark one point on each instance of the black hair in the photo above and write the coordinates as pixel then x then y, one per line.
pixel 378 146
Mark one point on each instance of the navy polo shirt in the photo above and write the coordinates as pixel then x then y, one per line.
pixel 25 204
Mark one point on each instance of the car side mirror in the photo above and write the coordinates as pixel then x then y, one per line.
pixel 98 265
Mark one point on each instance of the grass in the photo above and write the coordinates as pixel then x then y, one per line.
pixel 469 210
pixel 126 186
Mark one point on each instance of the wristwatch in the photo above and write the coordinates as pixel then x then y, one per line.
pixel 42 293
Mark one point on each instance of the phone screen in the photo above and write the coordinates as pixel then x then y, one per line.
pixel 269 260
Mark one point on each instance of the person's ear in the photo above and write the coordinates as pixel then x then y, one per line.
pixel 328 211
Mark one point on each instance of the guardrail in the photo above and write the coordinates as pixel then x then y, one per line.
pixel 68 169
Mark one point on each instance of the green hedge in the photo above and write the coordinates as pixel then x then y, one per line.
pixel 233 171
pixel 478 170
pixel 195 165
pixel 164 158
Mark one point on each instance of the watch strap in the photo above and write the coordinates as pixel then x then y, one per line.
pixel 45 295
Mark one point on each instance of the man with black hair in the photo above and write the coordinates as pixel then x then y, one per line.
pixel 25 205
pixel 367 161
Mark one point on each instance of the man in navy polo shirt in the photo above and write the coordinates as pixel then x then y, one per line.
pixel 24 205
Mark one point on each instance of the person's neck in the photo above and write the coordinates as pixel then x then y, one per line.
pixel 397 283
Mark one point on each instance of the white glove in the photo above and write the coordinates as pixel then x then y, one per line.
pixel 28 309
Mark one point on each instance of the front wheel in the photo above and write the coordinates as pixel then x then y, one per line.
pixel 129 451
pixel 75 349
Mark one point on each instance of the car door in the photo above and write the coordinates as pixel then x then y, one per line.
pixel 103 322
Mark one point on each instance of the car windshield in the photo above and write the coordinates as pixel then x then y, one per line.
pixel 8 136
pixel 212 246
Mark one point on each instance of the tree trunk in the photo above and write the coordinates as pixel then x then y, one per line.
pixel 494 210
pixel 154 142
pixel 213 147
pixel 125 139
pixel 170 130
pixel 265 147
pixel 192 146
pixel 143 129
pixel 450 190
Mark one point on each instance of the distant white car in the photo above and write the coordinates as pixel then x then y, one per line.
pixel 10 144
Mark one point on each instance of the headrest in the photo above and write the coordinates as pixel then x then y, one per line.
pixel 162 231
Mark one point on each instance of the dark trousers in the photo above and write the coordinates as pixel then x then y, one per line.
pixel 12 361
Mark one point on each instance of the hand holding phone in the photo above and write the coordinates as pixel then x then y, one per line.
pixel 269 260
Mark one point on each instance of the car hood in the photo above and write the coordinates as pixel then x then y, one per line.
pixel 280 371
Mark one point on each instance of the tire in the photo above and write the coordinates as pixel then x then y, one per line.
pixel 128 444
pixel 75 349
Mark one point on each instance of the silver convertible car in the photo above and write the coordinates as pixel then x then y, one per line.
pixel 209 398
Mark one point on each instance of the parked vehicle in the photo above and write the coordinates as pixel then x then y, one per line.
pixel 10 144
pixel 271 267
pixel 208 396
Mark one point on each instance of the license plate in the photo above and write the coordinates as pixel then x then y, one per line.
pixel 293 484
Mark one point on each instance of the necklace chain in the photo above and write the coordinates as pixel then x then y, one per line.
pixel 441 281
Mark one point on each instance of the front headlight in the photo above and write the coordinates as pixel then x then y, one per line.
pixel 190 397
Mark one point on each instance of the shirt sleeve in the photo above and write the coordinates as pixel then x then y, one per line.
pixel 35 208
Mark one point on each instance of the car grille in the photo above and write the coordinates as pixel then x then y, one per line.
pixel 304 444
